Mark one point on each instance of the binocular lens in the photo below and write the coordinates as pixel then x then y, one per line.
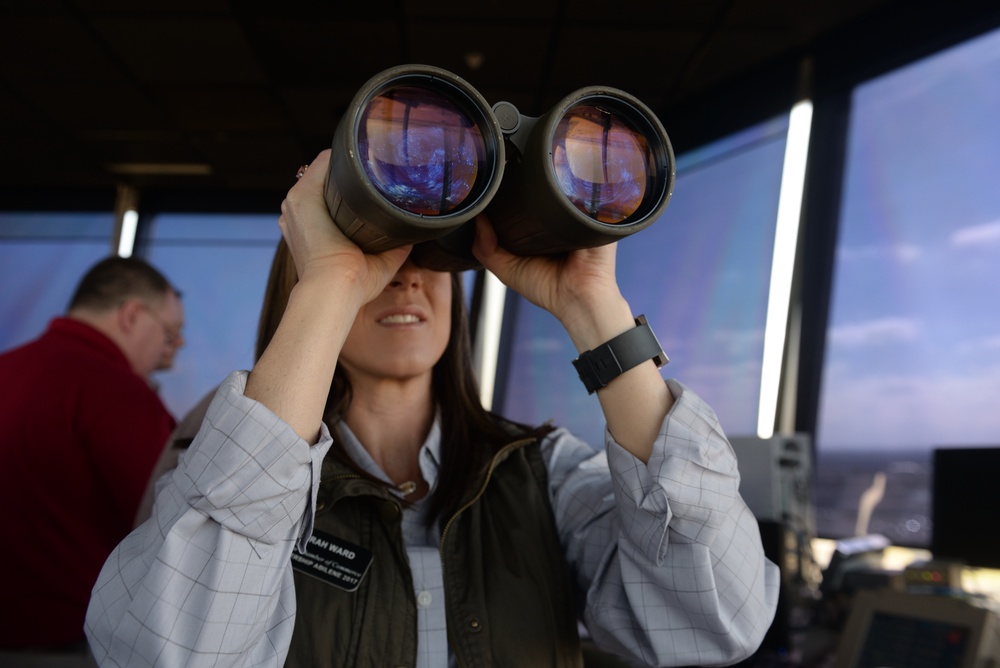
pixel 421 150
pixel 602 164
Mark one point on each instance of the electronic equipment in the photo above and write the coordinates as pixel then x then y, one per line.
pixel 900 630
pixel 933 577
pixel 775 483
pixel 855 564
pixel 775 478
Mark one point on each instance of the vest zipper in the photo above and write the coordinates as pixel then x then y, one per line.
pixel 339 476
pixel 497 458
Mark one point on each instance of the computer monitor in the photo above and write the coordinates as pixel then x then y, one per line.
pixel 965 505
pixel 899 630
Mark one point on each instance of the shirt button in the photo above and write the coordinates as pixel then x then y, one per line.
pixel 424 599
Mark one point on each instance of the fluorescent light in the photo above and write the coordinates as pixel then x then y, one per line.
pixel 130 223
pixel 786 235
pixel 487 346
pixel 160 168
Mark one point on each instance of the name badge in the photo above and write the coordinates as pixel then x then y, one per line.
pixel 333 560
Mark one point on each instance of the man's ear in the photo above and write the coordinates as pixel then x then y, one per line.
pixel 128 314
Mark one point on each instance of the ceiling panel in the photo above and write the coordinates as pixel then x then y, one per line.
pixel 83 107
pixel 42 48
pixel 168 49
pixel 493 10
pixel 325 52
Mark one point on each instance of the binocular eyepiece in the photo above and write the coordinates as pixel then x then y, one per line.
pixel 420 152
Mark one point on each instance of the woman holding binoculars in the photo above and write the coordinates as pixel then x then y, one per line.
pixel 349 502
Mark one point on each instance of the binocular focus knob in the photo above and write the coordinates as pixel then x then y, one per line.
pixel 508 116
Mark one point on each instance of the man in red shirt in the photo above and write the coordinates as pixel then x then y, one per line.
pixel 80 431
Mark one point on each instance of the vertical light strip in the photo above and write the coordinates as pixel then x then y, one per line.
pixel 487 346
pixel 126 242
pixel 786 235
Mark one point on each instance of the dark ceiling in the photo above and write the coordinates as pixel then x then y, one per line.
pixel 231 96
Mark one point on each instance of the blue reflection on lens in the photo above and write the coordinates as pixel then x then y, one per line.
pixel 420 150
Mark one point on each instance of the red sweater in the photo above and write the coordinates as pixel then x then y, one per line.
pixel 79 435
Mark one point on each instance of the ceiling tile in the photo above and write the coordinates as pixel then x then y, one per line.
pixel 96 107
pixel 498 10
pixel 191 50
pixel 52 49
pixel 326 53
pixel 222 109
pixel 159 7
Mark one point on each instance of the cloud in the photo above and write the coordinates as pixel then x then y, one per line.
pixel 899 253
pixel 975 235
pixel 921 409
pixel 736 341
pixel 906 252
pixel 987 344
pixel 543 344
pixel 883 330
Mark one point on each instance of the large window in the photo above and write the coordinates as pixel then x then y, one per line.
pixel 700 274
pixel 220 264
pixel 42 258
pixel 913 347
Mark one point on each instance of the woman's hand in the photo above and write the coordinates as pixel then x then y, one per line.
pixel 569 285
pixel 579 288
pixel 321 250
pixel 293 375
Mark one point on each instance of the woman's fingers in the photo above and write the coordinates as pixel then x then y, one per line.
pixel 318 246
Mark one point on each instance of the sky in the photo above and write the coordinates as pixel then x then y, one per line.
pixel 913 354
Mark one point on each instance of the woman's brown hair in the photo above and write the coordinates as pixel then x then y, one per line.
pixel 469 433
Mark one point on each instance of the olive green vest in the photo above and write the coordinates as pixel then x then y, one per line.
pixel 509 599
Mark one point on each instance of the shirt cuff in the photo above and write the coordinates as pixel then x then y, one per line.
pixel 317 452
pixel 689 485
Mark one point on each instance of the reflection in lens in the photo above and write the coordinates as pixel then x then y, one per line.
pixel 420 150
pixel 602 164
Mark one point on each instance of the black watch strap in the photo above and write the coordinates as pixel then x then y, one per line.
pixel 600 366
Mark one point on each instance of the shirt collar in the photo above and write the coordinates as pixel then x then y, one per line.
pixel 429 456
pixel 86 334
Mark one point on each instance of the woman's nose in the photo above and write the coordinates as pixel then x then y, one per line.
pixel 408 276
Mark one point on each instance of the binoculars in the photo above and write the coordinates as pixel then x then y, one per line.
pixel 420 152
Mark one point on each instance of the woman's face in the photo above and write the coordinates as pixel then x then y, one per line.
pixel 403 332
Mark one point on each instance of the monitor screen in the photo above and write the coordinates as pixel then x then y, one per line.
pixel 965 506
pixel 896 640
pixel 892 629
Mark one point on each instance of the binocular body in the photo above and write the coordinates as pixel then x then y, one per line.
pixel 420 152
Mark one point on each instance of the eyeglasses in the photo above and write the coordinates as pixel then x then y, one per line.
pixel 171 334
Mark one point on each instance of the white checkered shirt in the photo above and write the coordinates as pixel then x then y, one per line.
pixel 667 553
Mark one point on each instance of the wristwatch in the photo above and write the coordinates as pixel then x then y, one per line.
pixel 600 366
